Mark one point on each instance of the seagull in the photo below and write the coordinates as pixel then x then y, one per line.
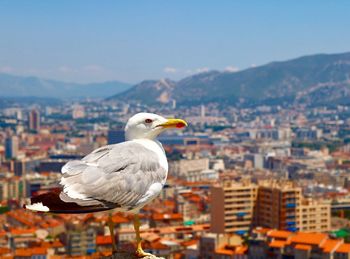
pixel 123 177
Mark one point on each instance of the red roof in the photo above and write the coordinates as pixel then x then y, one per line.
pixel 343 248
pixel 277 244
pixel 309 238
pixel 4 250
pixel 17 231
pixel 103 240
pixel 51 244
pixel 118 219
pixel 279 234
pixel 330 245
pixel 167 216
pixel 26 252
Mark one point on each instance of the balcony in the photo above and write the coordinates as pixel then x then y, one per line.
pixel 292 229
pixel 290 223
pixel 290 205
pixel 241 214
pixel 241 232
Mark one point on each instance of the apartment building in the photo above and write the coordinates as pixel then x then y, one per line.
pixel 314 216
pixel 238 206
pixel 278 205
pixel 233 207
pixel 81 242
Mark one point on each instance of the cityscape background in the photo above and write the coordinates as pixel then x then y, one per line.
pixel 262 170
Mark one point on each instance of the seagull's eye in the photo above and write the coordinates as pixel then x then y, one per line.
pixel 148 120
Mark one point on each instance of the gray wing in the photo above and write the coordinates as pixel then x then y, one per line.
pixel 120 174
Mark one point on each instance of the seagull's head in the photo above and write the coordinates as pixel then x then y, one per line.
pixel 149 126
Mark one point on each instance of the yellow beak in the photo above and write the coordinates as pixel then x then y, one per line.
pixel 173 123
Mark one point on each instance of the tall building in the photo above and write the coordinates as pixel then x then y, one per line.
pixel 34 120
pixel 116 136
pixel 11 147
pixel 233 207
pixel 278 205
pixel 238 206
pixel 281 205
pixel 12 188
pixel 202 111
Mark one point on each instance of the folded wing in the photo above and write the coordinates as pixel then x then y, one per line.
pixel 121 176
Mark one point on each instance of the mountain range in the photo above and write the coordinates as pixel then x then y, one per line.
pixel 24 86
pixel 315 79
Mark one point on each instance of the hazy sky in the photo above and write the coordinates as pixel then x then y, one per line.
pixel 86 41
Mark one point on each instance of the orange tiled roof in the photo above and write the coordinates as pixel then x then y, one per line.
pixel 31 251
pixel 170 216
pixel 224 251
pixel 4 250
pixel 23 252
pixel 55 243
pixel 279 234
pixel 38 250
pixel 303 247
pixel 343 248
pixel 330 245
pixel 241 250
pixel 17 231
pixel 56 257
pixel 106 253
pixel 277 244
pixel 103 240
pixel 117 218
pixel 308 238
pixel 231 250
pixel 169 203
pixel 178 255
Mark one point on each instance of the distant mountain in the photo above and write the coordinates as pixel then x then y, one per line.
pixel 23 86
pixel 28 100
pixel 148 92
pixel 314 79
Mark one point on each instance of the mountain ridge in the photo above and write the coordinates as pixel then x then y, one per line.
pixel 22 86
pixel 313 79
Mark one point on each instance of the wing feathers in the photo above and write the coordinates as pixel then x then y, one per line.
pixel 125 176
pixel 58 202
pixel 121 174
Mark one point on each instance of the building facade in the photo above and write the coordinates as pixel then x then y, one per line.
pixel 34 120
pixel 236 207
pixel 233 207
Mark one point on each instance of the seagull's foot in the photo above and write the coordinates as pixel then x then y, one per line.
pixel 140 253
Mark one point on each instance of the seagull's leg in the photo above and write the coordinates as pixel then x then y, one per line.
pixel 111 231
pixel 139 251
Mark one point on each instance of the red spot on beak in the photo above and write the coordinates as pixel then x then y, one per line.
pixel 180 125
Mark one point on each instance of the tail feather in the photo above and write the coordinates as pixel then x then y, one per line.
pixel 52 202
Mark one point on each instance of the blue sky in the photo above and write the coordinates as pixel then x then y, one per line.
pixel 85 41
